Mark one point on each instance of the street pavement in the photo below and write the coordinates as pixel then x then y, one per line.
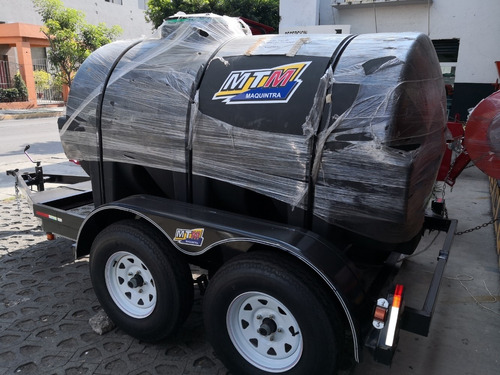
pixel 46 301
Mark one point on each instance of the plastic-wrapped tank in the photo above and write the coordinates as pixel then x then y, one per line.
pixel 338 133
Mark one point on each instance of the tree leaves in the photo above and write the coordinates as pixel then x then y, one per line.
pixel 263 11
pixel 71 38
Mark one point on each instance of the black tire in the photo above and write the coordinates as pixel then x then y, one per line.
pixel 301 318
pixel 145 287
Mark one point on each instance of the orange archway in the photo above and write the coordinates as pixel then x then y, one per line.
pixel 24 36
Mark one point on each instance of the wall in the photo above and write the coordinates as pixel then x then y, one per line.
pixel 299 13
pixel 475 23
pixel 129 16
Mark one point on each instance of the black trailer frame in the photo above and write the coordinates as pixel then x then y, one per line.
pixel 54 208
pixel 416 320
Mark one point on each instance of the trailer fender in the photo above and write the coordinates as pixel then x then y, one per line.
pixel 195 230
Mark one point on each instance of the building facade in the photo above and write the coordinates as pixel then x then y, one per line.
pixel 464 33
pixel 23 46
pixel 129 14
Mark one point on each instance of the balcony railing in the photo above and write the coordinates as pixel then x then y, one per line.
pixel 350 4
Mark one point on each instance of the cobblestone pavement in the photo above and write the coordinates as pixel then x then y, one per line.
pixel 46 300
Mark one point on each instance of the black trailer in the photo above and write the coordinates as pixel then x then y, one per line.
pixel 372 316
pixel 295 170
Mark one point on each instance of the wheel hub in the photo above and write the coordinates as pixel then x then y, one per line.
pixel 267 327
pixel 136 281
pixel 130 284
pixel 264 332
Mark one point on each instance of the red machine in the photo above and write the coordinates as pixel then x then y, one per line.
pixel 478 142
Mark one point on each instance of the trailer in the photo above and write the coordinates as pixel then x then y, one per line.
pixel 295 171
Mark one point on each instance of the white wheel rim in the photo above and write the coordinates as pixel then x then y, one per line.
pixel 275 352
pixel 130 284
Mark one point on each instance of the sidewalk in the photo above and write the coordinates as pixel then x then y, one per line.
pixel 14 114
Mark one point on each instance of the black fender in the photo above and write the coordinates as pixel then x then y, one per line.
pixel 195 230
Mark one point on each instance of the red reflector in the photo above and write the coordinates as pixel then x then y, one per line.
pixel 42 214
pixel 396 301
pixel 50 236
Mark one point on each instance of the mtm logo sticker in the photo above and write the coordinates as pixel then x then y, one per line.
pixel 273 85
pixel 191 237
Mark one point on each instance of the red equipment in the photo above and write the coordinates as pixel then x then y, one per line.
pixel 480 142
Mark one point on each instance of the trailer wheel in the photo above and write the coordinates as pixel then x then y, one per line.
pixel 264 313
pixel 144 288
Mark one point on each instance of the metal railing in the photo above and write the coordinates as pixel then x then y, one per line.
pixel 5 75
pixel 47 91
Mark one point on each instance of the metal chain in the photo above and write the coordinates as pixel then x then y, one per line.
pixel 18 200
pixel 484 225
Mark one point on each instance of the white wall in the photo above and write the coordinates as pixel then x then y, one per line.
pixel 128 15
pixel 299 13
pixel 475 23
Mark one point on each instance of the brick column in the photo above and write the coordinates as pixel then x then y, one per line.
pixel 26 69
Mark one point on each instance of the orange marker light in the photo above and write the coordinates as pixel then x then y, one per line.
pixel 380 314
pixel 398 294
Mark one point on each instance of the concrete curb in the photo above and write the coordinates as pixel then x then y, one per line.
pixel 31 113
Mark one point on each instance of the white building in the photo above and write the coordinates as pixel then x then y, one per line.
pixel 129 14
pixel 23 46
pixel 465 34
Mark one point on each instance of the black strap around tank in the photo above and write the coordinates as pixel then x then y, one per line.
pixel 194 89
pixel 334 60
pixel 100 104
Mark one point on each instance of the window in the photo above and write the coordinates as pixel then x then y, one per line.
pixel 119 2
pixel 447 51
pixel 142 4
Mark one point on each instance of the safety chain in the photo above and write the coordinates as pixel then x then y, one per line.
pixel 18 200
pixel 477 228
pixel 484 225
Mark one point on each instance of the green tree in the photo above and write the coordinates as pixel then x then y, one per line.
pixel 22 90
pixel 42 80
pixel 71 38
pixel 263 11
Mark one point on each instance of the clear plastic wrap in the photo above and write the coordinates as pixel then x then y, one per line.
pixel 357 143
pixel 147 97
pixel 382 153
